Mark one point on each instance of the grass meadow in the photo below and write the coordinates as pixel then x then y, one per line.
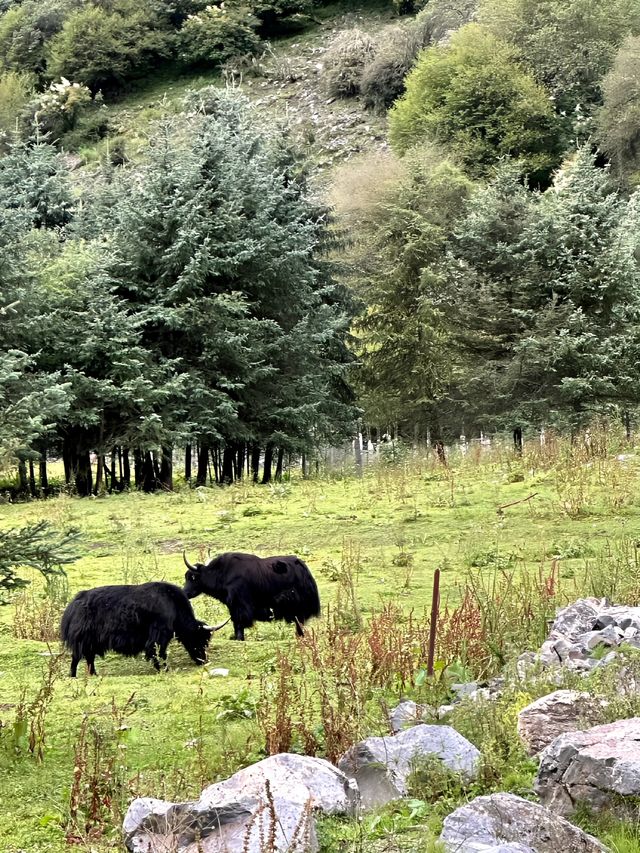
pixel 514 538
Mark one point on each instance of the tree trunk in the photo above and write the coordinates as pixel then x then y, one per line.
pixel 626 417
pixel 114 483
pixel 442 457
pixel 268 462
pixel 99 475
pixel 32 480
pixel 44 479
pixel 215 461
pixel 137 467
pixel 125 477
pixel 149 472
pixel 23 482
pixel 166 469
pixel 83 474
pixel 255 462
pixel 66 460
pixel 279 465
pixel 242 449
pixel 203 464
pixel 517 440
pixel 303 465
pixel 227 465
pixel 187 463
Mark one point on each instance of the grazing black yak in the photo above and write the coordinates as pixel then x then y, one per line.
pixel 130 620
pixel 256 589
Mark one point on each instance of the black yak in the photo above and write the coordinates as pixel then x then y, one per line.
pixel 256 589
pixel 130 620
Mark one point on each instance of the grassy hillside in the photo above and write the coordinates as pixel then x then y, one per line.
pixel 285 82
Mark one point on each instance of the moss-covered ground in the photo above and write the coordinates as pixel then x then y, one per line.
pixel 185 727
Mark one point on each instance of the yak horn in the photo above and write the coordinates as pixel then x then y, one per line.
pixel 187 563
pixel 214 628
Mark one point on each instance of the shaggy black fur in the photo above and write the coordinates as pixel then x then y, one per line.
pixel 130 620
pixel 257 589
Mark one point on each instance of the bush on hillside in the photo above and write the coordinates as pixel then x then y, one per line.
pixel 443 17
pixel 217 34
pixel 56 111
pixel 105 49
pixel 383 78
pixel 475 98
pixel 618 120
pixel 27 29
pixel 16 89
pixel 345 61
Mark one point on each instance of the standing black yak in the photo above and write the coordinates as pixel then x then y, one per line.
pixel 256 589
pixel 130 620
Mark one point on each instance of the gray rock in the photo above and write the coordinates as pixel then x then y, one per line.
pixel 232 816
pixel 381 765
pixel 577 618
pixel 406 714
pixel 552 715
pixel 504 823
pixel 598 767
pixel 609 636
pixel 466 689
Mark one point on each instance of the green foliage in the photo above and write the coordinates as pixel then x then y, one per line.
pixel 104 47
pixel 401 340
pixel 58 109
pixel 564 350
pixel 473 96
pixel 618 121
pixel 441 17
pixel 568 45
pixel 217 34
pixel 36 546
pixel 345 60
pixel 26 31
pixel 16 90
pixel 383 76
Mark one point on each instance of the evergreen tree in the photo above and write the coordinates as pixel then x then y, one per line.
pixel 545 297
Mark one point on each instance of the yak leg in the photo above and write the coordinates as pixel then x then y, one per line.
pixel 75 660
pixel 238 630
pixel 91 664
pixel 299 628
pixel 240 617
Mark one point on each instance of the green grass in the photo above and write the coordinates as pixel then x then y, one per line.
pixel 187 728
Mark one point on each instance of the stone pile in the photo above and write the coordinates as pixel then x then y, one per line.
pixel 580 629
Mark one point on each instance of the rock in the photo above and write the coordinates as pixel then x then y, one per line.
pixel 231 816
pixel 504 823
pixel 219 672
pixel 407 714
pixel 577 618
pixel 597 767
pixel 609 636
pixel 382 765
pixel 552 715
pixel 466 689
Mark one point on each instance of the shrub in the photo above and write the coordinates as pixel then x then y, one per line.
pixel 26 30
pixel 383 77
pixel 57 110
pixel 105 49
pixel 345 60
pixel 217 34
pixel 473 96
pixel 16 89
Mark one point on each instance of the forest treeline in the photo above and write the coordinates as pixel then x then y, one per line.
pixel 483 273
pixel 189 303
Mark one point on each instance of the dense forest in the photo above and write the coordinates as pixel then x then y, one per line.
pixel 481 271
